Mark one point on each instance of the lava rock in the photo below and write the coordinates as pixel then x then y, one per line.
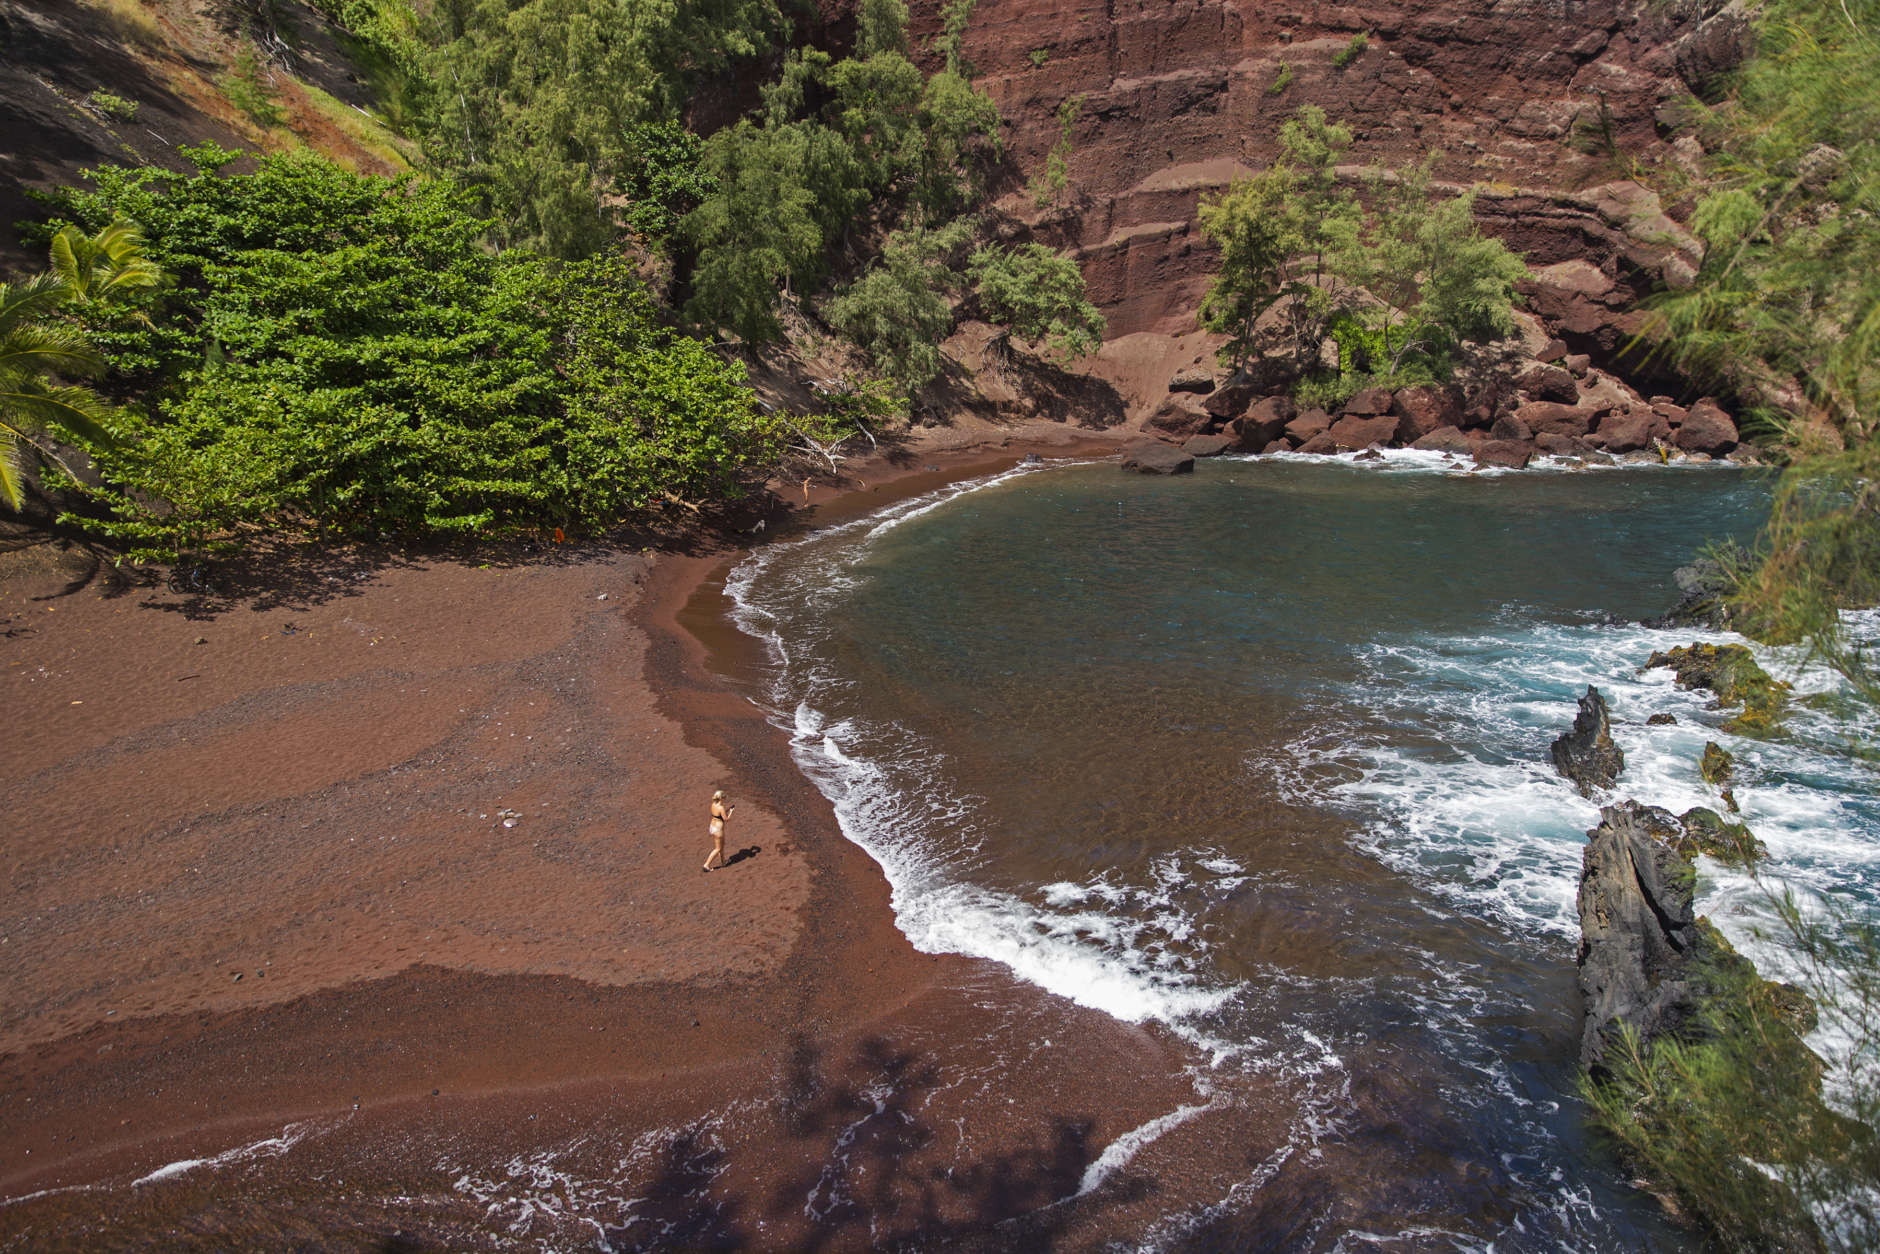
pixel 1509 427
pixel 1421 410
pixel 1709 833
pixel 1662 720
pixel 1198 381
pixel 1444 440
pixel 1311 423
pixel 1730 671
pixel 1266 421
pixel 1587 755
pixel 1704 589
pixel 1354 432
pixel 1557 419
pixel 1513 454
pixel 1320 443
pixel 1207 445
pixel 1631 430
pixel 1548 383
pixel 1369 403
pixel 1231 401
pixel 1180 415
pixel 1716 766
pixel 1706 429
pixel 1638 931
pixel 1152 457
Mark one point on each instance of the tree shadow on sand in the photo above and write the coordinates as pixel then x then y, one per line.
pixel 870 1171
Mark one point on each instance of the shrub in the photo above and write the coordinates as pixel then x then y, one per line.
pixel 340 351
pixel 1353 50
pixel 1281 80
pixel 113 106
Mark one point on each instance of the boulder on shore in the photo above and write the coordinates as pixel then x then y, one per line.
pixel 1353 432
pixel 1180 415
pixel 1424 409
pixel 1512 454
pixel 1207 445
pixel 1265 422
pixel 1368 403
pixel 1195 380
pixel 1706 429
pixel 1587 755
pixel 1444 440
pixel 1152 457
pixel 1311 423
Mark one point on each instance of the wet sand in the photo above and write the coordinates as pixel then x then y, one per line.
pixel 407 851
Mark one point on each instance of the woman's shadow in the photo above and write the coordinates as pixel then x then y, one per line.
pixel 749 851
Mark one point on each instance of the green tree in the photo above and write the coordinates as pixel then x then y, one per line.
pixel 1785 309
pixel 1253 225
pixel 959 131
pixel 1051 183
pixel 899 310
pixel 532 100
pixel 881 26
pixel 1039 295
pixel 955 16
pixel 35 349
pixel 664 178
pixel 102 266
pixel 1438 281
pixel 758 232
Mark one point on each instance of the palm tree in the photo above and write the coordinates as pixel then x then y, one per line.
pixel 112 262
pixel 33 351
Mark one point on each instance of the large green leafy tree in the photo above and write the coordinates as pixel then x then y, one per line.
pixel 1038 295
pixel 533 100
pixel 1253 225
pixel 841 149
pixel 899 310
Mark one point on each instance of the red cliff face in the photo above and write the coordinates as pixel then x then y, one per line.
pixel 1179 94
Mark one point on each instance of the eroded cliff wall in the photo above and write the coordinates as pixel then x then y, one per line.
pixel 1525 96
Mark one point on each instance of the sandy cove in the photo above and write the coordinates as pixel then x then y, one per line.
pixel 397 849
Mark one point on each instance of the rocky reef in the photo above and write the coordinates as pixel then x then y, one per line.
pixel 1586 754
pixel 1733 674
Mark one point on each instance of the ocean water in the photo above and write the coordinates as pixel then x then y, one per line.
pixel 1258 757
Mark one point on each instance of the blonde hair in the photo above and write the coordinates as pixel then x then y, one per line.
pixel 719 795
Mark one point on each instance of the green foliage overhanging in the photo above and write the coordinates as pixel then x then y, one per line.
pixel 1785 308
pixel 340 351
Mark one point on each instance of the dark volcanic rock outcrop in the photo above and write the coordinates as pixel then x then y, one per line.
pixel 1640 943
pixel 1587 755
pixel 1152 457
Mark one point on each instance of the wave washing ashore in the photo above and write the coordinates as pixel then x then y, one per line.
pixel 1260 757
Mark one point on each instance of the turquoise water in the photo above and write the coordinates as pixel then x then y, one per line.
pixel 1259 756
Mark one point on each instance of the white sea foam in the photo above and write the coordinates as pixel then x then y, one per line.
pixel 1452 775
pixel 269 1147
pixel 1119 1152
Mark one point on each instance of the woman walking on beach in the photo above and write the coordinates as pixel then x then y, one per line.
pixel 720 812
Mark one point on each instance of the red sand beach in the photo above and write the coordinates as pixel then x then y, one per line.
pixel 407 851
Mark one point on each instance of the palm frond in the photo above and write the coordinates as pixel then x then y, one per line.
pixel 40 348
pixel 12 477
pixel 21 303
pixel 77 409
